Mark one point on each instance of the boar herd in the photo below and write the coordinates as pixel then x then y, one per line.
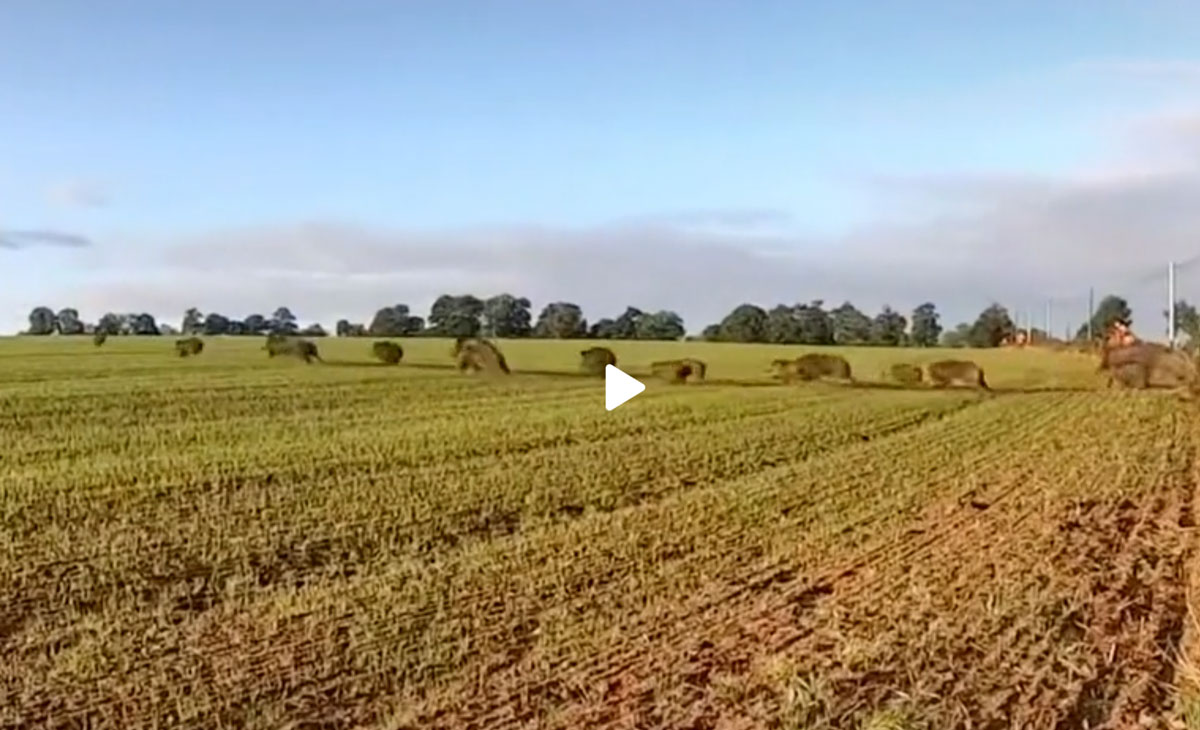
pixel 1128 365
pixel 942 373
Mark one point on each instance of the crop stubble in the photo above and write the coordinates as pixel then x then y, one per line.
pixel 428 552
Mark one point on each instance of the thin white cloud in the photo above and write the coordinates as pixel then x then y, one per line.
pixel 79 194
pixel 1156 69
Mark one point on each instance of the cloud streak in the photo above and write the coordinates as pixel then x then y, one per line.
pixel 19 239
pixel 1153 69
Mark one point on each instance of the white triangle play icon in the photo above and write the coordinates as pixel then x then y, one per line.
pixel 619 387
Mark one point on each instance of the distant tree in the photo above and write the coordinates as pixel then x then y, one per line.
pixel 850 326
pixel 561 320
pixel 140 324
pixel 283 322
pixel 991 328
pixel 960 336
pixel 746 323
pixel 625 327
pixel 711 333
pixel 314 330
pixel 166 329
pixel 603 329
pixel 455 316
pixel 193 322
pixel 215 324
pixel 235 327
pixel 68 322
pixel 1111 310
pixel 926 329
pixel 816 326
pixel 346 328
pixel 782 326
pixel 110 324
pixel 628 325
pixel 42 321
pixel 888 328
pixel 394 321
pixel 256 324
pixel 1187 322
pixel 662 325
pixel 507 316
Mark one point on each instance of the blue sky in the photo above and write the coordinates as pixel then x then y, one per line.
pixel 155 129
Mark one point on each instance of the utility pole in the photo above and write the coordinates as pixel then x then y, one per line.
pixel 1091 308
pixel 1171 304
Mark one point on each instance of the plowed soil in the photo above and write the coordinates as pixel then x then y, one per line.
pixel 1022 601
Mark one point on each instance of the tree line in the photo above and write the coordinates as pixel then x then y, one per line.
pixel 509 316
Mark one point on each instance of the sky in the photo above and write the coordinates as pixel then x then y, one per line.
pixel 339 156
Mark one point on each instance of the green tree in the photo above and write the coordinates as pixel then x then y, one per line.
pixel 782 326
pixel 627 326
pixel 42 321
pixel 816 326
pixel 215 324
pixel 394 321
pixel 991 327
pixel 850 325
pixel 256 324
pixel 140 324
pixel 192 324
pixel 711 333
pixel 958 337
pixel 507 316
pixel 455 316
pixel 603 329
pixel 314 330
pixel 346 328
pixel 110 324
pixel 283 322
pixel 663 325
pixel 1187 322
pixel 888 328
pixel 746 323
pixel 561 320
pixel 925 326
pixel 1111 310
pixel 68 322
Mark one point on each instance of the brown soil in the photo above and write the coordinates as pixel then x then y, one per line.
pixel 1005 606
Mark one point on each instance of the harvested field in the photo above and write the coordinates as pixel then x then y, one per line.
pixel 241 541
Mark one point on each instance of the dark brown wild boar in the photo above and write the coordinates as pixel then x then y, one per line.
pixel 906 374
pixel 479 356
pixel 594 360
pixel 956 372
pixel 812 366
pixel 1147 362
pixel 189 346
pixel 679 371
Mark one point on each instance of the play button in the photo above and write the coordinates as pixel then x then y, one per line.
pixel 619 387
